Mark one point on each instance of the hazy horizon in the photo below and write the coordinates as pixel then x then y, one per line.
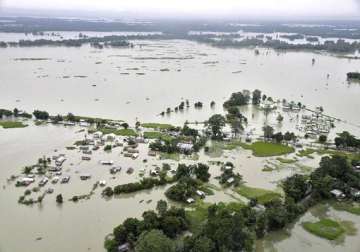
pixel 256 9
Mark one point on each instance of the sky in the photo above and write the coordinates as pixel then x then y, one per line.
pixel 246 8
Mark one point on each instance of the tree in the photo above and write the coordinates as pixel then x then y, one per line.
pixel 41 115
pixel 201 244
pixel 236 126
pixel 108 192
pixel 256 97
pixel 59 199
pixel 280 118
pixel 120 234
pixel 183 170
pixel 125 125
pixel 237 99
pixel 171 226
pixel 215 124
pixel 322 139
pixel 154 241
pixel 295 187
pixel 268 131
pixel 16 112
pixel 289 136
pixel 161 207
pixel 278 137
pixel 201 172
pixel 276 215
pixel 151 220
pixel 261 224
pixel 71 117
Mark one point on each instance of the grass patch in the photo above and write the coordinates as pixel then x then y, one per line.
pixel 263 196
pixel 306 153
pixel 157 135
pixel 325 228
pixel 348 207
pixel 12 124
pixel 267 169
pixel 266 149
pixel 171 156
pixel 119 132
pixel 286 160
pixel 157 125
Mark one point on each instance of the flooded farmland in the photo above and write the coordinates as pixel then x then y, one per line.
pixel 137 84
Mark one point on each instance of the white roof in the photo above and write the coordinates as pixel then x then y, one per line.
pixel 190 200
pixel 230 180
pixel 336 192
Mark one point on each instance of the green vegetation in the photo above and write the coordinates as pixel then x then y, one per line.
pixel 267 168
pixel 170 156
pixel 157 126
pixel 157 135
pixel 325 228
pixel 154 241
pixel 197 216
pixel 286 161
pixel 119 132
pixel 12 124
pixel 350 207
pixel 306 153
pixel 353 76
pixel 168 223
pixel 345 140
pixel 261 195
pixel 266 149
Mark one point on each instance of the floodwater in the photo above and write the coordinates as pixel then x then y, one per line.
pixel 296 238
pixel 63 82
pixel 127 84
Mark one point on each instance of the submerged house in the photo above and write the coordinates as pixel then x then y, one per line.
pixel 97 134
pixel 185 147
pixel 337 194
pixel 60 160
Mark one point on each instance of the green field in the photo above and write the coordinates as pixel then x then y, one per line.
pixel 157 125
pixel 12 124
pixel 266 149
pixel 119 132
pixel 263 196
pixel 325 228
pixel 156 135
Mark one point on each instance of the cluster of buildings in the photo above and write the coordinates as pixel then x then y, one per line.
pixel 315 124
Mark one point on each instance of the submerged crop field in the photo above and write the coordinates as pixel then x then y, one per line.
pixel 164 139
